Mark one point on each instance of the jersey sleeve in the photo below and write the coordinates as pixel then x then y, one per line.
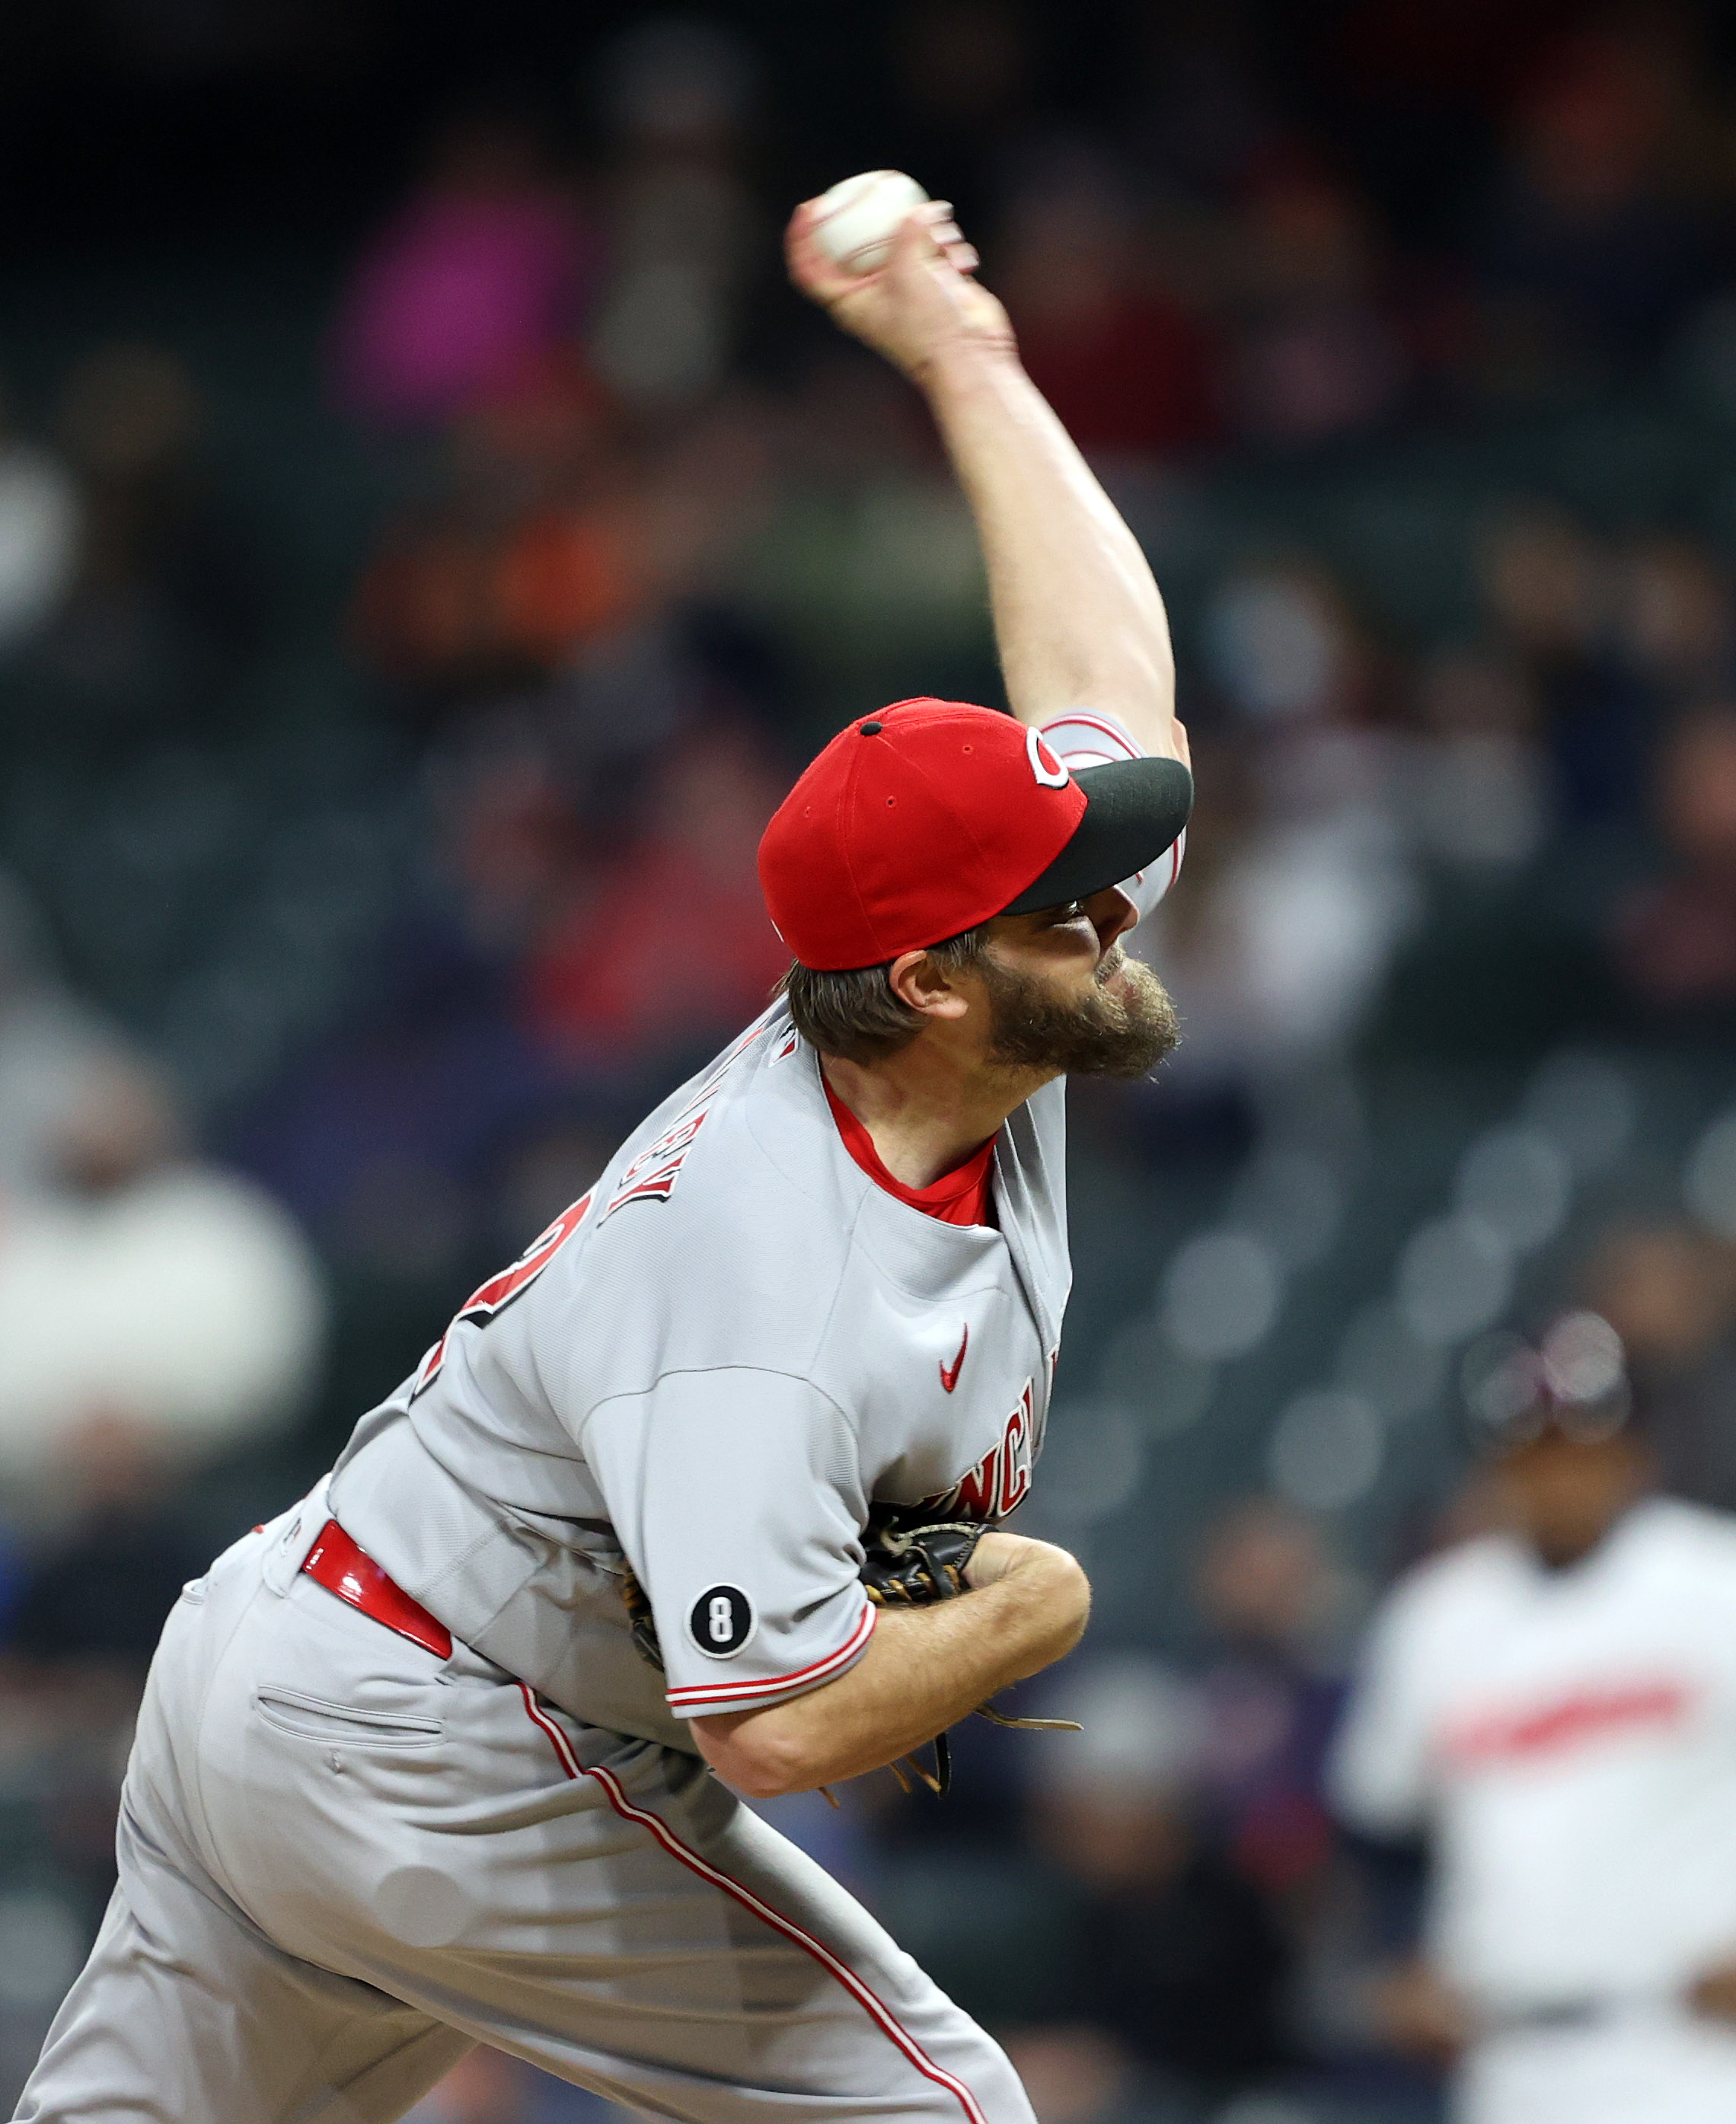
pixel 1378 1777
pixel 737 1497
pixel 1083 737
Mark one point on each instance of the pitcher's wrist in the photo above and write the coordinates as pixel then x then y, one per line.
pixel 961 365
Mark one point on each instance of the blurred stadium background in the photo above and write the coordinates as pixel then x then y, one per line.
pixel 431 537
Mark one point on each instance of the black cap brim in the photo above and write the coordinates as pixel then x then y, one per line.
pixel 1134 808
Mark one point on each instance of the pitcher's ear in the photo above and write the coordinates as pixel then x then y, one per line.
pixel 920 983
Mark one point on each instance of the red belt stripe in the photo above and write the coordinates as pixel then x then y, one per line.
pixel 336 1563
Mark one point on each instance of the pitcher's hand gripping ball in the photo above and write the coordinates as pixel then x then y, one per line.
pixel 855 222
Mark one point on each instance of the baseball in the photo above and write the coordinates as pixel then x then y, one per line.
pixel 855 222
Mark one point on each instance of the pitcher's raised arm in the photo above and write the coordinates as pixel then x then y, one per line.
pixel 1078 620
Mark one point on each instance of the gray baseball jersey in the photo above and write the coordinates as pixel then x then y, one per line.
pixel 344 1855
pixel 711 1367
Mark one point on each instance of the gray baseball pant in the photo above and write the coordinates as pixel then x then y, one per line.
pixel 344 1860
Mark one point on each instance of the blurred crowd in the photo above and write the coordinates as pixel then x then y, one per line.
pixel 346 927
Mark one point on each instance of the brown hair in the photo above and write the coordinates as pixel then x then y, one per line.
pixel 857 1014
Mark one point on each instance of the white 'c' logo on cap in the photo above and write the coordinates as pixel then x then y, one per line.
pixel 1048 770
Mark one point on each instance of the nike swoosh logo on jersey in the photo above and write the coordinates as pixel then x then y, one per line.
pixel 949 1379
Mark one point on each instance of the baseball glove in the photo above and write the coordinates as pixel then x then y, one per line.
pixel 642 1626
pixel 909 1562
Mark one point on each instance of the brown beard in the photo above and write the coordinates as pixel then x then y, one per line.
pixel 1126 1034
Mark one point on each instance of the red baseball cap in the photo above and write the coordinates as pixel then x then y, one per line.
pixel 916 823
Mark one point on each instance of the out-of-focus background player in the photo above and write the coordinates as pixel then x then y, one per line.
pixel 432 538
pixel 1552 1705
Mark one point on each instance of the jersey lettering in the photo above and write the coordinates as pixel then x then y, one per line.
pixel 651 1175
pixel 498 1293
pixel 1572 1721
pixel 1002 1479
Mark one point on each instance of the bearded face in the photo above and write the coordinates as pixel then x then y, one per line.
pixel 1124 1027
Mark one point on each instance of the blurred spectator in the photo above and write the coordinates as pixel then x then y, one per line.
pixel 48 1039
pixel 378 1139
pixel 685 234
pixel 149 1294
pixel 1674 619
pixel 1126 366
pixel 1278 962
pixel 670 948
pixel 167 604
pixel 1274 1601
pixel 1600 238
pixel 532 545
pixel 1203 122
pixel 1548 1704
pixel 865 564
pixel 1668 1291
pixel 1285 650
pixel 1545 580
pixel 966 75
pixel 1316 357
pixel 1675 938
pixel 1551 590
pixel 505 1022
pixel 1170 1952
pixel 472 290
pixel 155 1313
pixel 1279 948
pixel 97 1594
pixel 1480 797
pixel 40 531
pixel 552 543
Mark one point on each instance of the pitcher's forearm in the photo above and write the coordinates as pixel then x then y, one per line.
pixel 1079 619
pixel 925 1668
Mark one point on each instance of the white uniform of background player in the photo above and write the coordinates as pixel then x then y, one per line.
pixel 348 1850
pixel 1567 1739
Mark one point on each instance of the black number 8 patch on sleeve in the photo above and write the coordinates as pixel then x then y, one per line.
pixel 721 1621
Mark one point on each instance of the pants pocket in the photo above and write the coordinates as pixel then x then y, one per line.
pixel 317 1718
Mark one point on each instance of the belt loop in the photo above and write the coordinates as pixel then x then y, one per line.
pixel 301 1527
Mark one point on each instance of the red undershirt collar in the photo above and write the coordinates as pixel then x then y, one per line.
pixel 961 1196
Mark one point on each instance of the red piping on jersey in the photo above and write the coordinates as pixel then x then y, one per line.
pixel 1123 744
pixel 724 1692
pixel 961 1196
pixel 1117 737
pixel 876 2008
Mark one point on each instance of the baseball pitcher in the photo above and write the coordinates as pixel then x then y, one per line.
pixel 451 1751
